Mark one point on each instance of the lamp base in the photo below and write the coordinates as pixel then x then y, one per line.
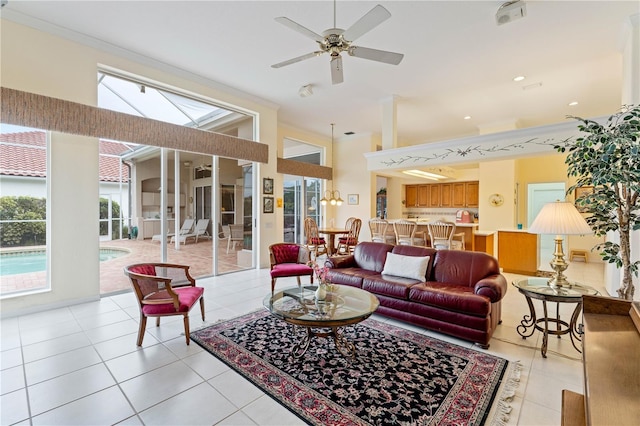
pixel 559 265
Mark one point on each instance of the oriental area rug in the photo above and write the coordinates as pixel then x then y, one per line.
pixel 397 376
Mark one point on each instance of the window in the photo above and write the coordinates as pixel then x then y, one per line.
pixel 23 210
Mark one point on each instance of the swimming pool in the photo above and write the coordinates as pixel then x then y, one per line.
pixel 23 262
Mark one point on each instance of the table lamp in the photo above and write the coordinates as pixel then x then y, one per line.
pixel 559 218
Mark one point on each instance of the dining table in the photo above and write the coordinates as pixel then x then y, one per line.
pixel 331 236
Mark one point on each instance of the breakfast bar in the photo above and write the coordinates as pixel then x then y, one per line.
pixel 469 230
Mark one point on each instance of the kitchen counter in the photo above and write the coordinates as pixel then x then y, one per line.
pixel 468 229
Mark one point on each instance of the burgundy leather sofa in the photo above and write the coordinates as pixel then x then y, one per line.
pixel 460 294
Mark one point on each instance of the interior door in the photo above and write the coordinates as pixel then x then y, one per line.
pixel 540 194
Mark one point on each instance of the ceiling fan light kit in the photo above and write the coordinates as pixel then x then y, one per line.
pixel 336 40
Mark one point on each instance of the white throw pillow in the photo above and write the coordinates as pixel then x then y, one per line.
pixel 406 266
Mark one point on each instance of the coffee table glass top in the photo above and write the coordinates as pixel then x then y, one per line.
pixel 541 287
pixel 342 303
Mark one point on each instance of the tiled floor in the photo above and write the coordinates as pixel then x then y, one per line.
pixel 80 364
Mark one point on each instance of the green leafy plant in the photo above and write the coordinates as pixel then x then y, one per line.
pixel 607 158
pixel 22 221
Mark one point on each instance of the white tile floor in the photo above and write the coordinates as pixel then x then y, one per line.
pixel 80 364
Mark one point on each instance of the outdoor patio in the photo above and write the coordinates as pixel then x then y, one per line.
pixel 112 279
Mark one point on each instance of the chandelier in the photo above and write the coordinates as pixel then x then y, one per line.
pixel 334 195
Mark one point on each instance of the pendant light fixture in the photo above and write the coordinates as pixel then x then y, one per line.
pixel 334 195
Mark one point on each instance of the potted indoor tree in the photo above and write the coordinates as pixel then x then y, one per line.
pixel 606 164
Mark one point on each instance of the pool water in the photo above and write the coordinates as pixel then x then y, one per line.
pixel 36 261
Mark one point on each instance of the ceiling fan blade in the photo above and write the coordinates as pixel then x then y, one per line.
pixel 376 55
pixel 336 70
pixel 297 59
pixel 299 28
pixel 370 20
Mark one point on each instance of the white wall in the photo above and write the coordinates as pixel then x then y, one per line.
pixel 37 62
pixel 17 186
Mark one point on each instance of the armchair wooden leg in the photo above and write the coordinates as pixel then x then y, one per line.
pixel 186 327
pixel 299 283
pixel 273 285
pixel 202 307
pixel 157 321
pixel 143 326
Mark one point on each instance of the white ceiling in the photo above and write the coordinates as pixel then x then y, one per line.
pixel 457 61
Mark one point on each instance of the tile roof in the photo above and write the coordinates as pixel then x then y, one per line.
pixel 24 154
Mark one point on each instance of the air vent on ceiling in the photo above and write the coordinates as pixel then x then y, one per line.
pixel 510 11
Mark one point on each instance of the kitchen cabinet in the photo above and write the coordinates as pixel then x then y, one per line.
pixel 471 194
pixel 455 194
pixel 458 194
pixel 152 199
pixel 423 195
pixel 411 195
pixel 445 195
pixel 151 227
pixel 434 195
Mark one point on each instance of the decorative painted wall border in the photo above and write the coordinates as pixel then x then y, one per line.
pixel 498 146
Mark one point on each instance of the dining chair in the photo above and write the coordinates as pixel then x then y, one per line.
pixel 314 242
pixel 348 224
pixel 236 235
pixel 378 228
pixel 164 289
pixel 442 233
pixel 289 260
pixel 405 231
pixel 347 244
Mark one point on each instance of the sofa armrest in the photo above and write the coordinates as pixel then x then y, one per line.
pixel 337 262
pixel 494 287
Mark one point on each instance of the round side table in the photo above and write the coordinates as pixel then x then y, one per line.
pixel 538 288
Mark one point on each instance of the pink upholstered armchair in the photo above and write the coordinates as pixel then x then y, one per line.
pixel 289 260
pixel 164 289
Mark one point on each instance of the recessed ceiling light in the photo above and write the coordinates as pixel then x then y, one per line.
pixel 518 78
pixel 573 103
pixel 467 117
pixel 423 174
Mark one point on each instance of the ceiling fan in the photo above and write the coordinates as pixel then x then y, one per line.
pixel 336 40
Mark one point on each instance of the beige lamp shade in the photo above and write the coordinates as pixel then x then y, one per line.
pixel 559 218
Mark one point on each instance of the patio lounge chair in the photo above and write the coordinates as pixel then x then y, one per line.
pixel 198 232
pixel 185 229
pixel 236 235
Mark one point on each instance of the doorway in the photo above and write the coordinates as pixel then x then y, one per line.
pixel 301 200
pixel 539 194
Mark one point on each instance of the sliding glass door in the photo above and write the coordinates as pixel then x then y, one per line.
pixel 301 200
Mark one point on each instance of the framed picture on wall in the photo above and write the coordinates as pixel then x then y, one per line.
pixel 579 193
pixel 353 199
pixel 267 186
pixel 267 205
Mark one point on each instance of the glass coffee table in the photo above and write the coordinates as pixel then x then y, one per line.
pixel 538 288
pixel 342 306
